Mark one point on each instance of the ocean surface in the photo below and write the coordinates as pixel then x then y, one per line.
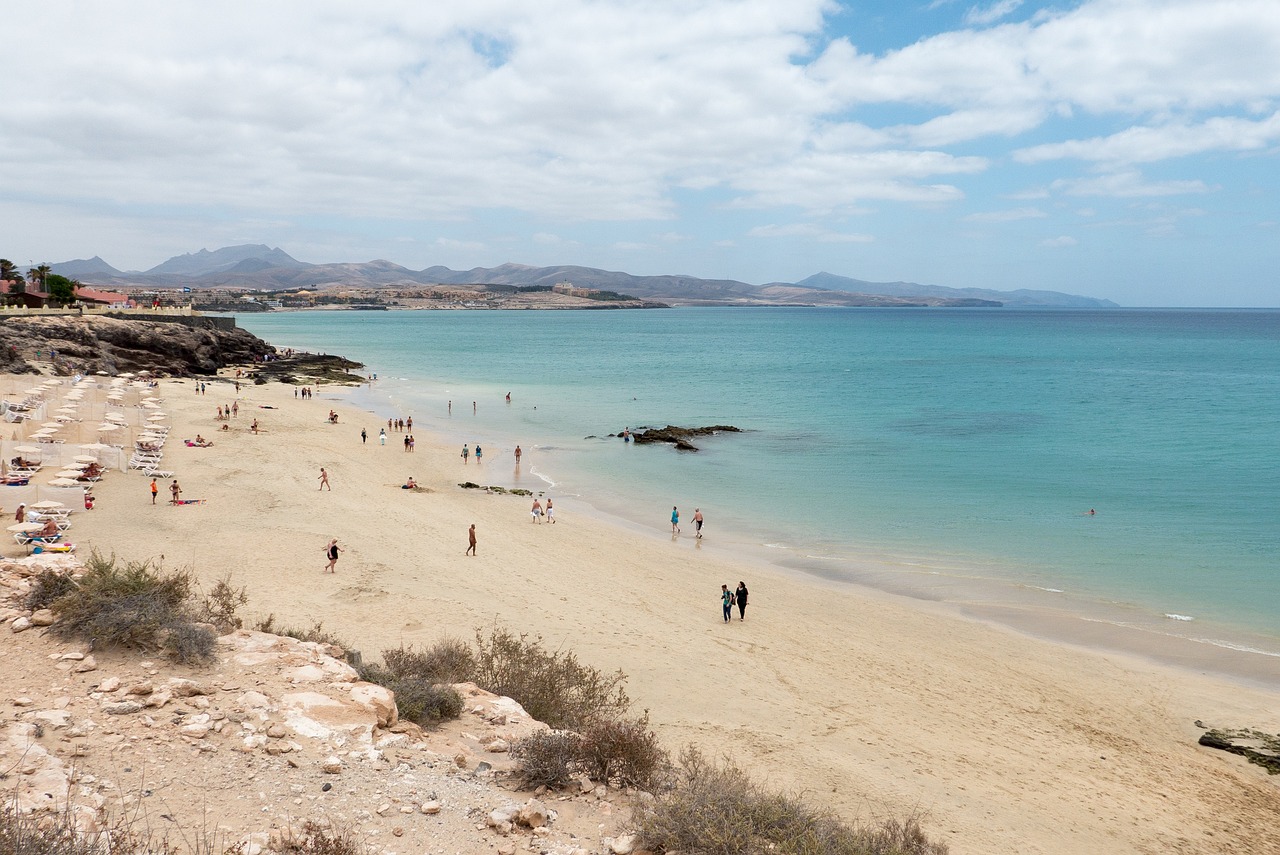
pixel 948 454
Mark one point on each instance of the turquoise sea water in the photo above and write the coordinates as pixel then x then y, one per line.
pixel 938 452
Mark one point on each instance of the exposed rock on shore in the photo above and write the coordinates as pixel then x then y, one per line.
pixel 678 436
pixel 175 346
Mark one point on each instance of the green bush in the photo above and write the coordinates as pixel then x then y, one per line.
pixel 134 606
pixel 719 809
pixel 449 660
pixel 421 696
pixel 553 687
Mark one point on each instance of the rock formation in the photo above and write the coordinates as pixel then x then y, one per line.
pixel 175 346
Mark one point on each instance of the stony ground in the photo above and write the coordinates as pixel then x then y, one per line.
pixel 240 755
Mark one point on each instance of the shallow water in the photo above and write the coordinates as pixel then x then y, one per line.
pixel 944 453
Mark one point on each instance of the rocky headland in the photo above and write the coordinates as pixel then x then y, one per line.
pixel 165 346
pixel 678 436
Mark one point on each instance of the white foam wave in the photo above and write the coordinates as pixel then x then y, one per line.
pixel 1216 642
pixel 1050 590
pixel 1179 617
pixel 776 546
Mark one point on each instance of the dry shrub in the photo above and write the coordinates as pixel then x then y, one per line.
pixel 547 758
pixel 316 839
pixel 135 606
pixel 47 588
pixel 620 751
pixel 449 660
pixel 625 752
pixel 718 809
pixel 56 834
pixel 220 605
pixel 553 687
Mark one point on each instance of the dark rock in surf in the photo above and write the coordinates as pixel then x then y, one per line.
pixel 678 436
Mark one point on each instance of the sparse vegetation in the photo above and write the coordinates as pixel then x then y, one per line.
pixel 221 604
pixel 47 588
pixel 553 687
pixel 619 751
pixel 421 680
pixel 136 605
pixel 316 632
pixel 449 660
pixel 717 808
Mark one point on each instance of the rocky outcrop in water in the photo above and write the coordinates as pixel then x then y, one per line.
pixel 678 436
pixel 174 347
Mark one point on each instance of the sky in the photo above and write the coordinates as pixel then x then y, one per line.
pixel 1123 149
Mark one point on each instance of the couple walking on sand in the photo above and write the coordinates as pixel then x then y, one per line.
pixel 728 599
pixel 675 520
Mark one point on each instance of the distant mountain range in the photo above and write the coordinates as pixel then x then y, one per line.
pixel 256 266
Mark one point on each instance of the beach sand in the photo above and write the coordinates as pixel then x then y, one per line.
pixel 872 704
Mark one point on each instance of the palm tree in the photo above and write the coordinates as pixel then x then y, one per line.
pixel 8 270
pixel 39 273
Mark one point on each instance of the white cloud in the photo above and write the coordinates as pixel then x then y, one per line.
pixel 1150 144
pixel 808 230
pixel 1062 240
pixel 981 16
pixel 1124 185
pixel 453 244
pixel 1006 216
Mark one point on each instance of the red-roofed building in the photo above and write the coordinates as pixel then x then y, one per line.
pixel 110 299
pixel 31 298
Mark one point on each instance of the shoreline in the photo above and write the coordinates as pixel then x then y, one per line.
pixel 971 588
pixel 867 702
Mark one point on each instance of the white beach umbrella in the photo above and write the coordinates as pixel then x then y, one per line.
pixel 107 428
pixel 114 418
pixel 47 505
pixel 151 405
pixel 67 472
pixel 26 449
pixel 63 481
pixel 157 417
pixel 93 446
pixel 26 528
pixel 53 425
pixel 87 458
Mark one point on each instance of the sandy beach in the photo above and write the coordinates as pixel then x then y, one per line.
pixel 872 704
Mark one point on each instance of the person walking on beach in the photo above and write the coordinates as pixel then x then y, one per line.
pixel 726 602
pixel 466 454
pixel 740 597
pixel 154 490
pixel 175 491
pixel 471 539
pixel 550 511
pixel 235 406
pixel 324 480
pixel 537 511
pixel 408 424
pixel 697 521
pixel 517 455
pixel 675 520
pixel 332 551
pixel 364 436
pixel 382 436
pixel 479 454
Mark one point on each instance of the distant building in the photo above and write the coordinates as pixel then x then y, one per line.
pixel 571 290
pixel 31 298
pixel 109 299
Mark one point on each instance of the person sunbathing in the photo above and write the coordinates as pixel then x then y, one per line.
pixel 410 484
pixel 50 528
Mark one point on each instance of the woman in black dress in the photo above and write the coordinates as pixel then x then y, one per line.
pixel 740 597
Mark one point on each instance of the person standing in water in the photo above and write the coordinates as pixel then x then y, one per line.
pixel 517 455
pixel 675 520
pixel 697 521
